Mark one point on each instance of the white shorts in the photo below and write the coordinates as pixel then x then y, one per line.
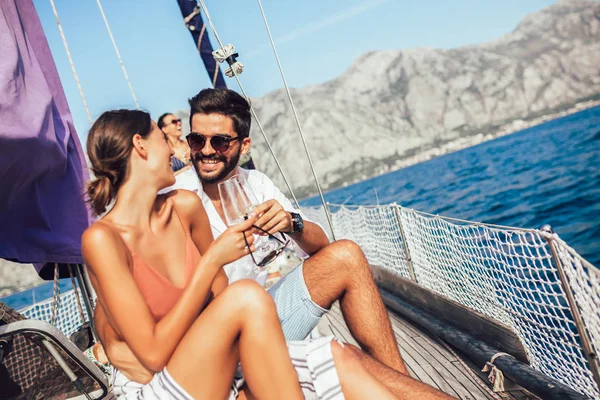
pixel 312 359
pixel 161 387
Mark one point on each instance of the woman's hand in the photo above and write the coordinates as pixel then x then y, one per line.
pixel 230 245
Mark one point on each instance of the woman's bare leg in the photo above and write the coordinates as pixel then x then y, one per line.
pixel 403 386
pixel 357 383
pixel 241 323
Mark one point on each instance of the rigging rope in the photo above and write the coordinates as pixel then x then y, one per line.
pixel 214 30
pixel 188 23
pixel 289 95
pixel 64 40
pixel 118 54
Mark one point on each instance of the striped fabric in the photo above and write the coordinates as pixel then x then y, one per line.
pixel 161 387
pixel 313 361
pixel 297 312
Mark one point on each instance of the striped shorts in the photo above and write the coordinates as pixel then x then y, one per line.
pixel 298 314
pixel 161 387
pixel 316 371
pixel 312 359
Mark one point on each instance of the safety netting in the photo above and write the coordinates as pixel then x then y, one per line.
pixel 510 275
pixel 68 314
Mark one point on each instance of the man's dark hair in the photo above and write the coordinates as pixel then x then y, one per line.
pixel 161 120
pixel 225 102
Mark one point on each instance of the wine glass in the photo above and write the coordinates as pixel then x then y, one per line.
pixel 238 201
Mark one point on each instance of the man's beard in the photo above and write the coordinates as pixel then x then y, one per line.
pixel 215 176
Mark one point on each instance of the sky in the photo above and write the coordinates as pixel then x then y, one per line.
pixel 317 40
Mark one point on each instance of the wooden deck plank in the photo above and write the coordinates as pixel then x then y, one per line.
pixel 403 337
pixel 412 372
pixel 443 360
pixel 436 349
pixel 425 358
pixel 340 325
pixel 405 326
pixel 416 356
pixel 441 383
pixel 514 391
pixel 454 372
pixel 409 354
pixel 455 382
pixel 338 333
pixel 461 382
pixel 418 372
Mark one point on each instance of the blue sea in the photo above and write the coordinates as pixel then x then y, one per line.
pixel 547 174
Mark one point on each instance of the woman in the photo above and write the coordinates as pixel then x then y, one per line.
pixel 170 325
pixel 171 126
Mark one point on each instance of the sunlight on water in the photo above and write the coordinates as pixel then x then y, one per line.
pixel 548 174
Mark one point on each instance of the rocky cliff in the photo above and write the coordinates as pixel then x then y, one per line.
pixel 390 105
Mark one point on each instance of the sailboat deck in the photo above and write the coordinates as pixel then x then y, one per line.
pixel 427 359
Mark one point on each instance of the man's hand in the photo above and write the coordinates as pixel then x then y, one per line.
pixel 272 218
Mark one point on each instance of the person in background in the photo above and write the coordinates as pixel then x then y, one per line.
pixel 171 126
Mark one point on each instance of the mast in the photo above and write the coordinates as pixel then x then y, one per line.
pixel 194 22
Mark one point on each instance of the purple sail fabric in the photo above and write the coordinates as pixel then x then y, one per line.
pixel 42 165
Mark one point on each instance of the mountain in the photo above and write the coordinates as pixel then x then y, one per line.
pixel 16 277
pixel 394 104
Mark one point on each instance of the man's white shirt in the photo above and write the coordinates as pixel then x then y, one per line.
pixel 264 189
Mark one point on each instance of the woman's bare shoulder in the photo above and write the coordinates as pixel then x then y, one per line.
pixel 101 237
pixel 101 231
pixel 189 207
pixel 185 201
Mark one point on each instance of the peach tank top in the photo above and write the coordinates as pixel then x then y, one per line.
pixel 160 293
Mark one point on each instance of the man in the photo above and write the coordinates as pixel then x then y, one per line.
pixel 220 126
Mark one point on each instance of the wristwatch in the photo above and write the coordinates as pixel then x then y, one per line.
pixel 297 223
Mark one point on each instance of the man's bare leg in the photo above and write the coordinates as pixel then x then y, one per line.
pixel 341 271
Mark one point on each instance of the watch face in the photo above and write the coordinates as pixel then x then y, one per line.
pixel 298 222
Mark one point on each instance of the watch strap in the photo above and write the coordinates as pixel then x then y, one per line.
pixel 297 223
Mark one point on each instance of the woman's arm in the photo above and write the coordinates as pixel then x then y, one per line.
pixel 117 351
pixel 201 233
pixel 152 342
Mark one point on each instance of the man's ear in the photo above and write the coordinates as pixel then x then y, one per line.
pixel 246 143
pixel 139 145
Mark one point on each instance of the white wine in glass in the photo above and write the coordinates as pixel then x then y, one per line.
pixel 238 201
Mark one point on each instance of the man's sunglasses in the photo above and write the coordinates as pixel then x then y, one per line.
pixel 175 121
pixel 273 254
pixel 221 144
